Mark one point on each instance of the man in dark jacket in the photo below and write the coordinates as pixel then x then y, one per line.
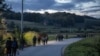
pixel 8 46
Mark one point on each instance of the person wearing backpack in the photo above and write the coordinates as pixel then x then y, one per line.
pixel 14 47
pixel 8 46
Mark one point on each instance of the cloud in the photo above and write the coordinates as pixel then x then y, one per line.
pixel 72 6
pixel 92 9
pixel 89 8
pixel 31 4
pixel 40 4
pixel 96 14
pixel 97 1
pixel 42 11
pixel 15 4
pixel 15 1
pixel 63 1
pixel 66 6
pixel 82 1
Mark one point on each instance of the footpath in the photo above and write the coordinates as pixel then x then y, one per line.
pixel 53 48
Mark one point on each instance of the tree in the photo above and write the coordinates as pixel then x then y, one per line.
pixel 11 25
pixel 17 32
pixel 3 7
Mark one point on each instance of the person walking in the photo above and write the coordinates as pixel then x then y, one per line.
pixel 46 39
pixel 39 39
pixel 34 41
pixel 22 43
pixel 58 37
pixel 43 40
pixel 8 46
pixel 14 46
pixel 61 37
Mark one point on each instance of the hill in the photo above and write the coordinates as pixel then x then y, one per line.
pixel 55 21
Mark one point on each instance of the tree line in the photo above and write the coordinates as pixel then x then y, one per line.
pixel 61 19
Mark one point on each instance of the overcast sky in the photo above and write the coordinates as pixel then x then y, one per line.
pixel 80 7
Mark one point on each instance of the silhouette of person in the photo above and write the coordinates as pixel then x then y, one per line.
pixel 43 40
pixel 46 39
pixel 8 46
pixel 39 38
pixel 61 37
pixel 22 43
pixel 14 46
pixel 34 41
pixel 58 37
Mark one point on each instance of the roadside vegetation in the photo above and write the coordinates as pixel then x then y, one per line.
pixel 87 47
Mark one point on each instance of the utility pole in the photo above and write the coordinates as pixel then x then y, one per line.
pixel 21 28
pixel 22 18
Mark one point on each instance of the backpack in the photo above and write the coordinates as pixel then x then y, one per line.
pixel 14 44
pixel 8 43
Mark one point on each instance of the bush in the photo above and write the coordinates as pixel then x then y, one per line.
pixel 28 36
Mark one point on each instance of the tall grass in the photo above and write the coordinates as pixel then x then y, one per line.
pixel 85 47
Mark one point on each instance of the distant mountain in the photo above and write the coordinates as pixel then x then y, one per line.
pixel 59 19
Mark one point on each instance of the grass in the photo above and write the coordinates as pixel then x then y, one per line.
pixel 52 37
pixel 85 47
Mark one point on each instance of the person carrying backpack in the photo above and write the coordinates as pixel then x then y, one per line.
pixel 14 47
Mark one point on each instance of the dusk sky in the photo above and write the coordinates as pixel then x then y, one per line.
pixel 80 7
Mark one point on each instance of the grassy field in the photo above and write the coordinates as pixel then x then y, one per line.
pixel 53 36
pixel 86 47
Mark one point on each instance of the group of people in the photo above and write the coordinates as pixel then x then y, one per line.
pixel 11 47
pixel 12 44
pixel 41 38
pixel 59 37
